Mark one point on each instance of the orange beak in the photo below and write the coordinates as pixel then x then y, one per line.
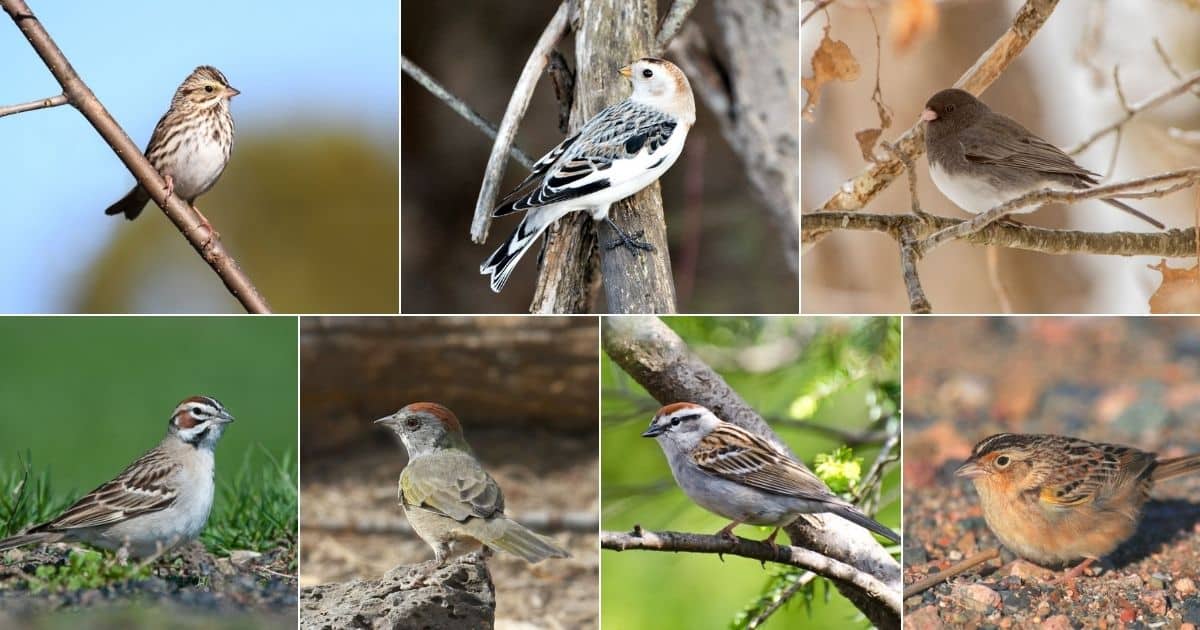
pixel 626 72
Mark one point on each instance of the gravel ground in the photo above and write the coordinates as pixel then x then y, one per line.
pixel 198 589
pixel 1129 381
pixel 350 518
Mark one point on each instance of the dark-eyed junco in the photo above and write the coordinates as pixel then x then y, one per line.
pixel 981 159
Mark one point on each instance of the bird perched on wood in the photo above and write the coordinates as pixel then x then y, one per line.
pixel 981 159
pixel 1055 499
pixel 446 494
pixel 621 150
pixel 731 472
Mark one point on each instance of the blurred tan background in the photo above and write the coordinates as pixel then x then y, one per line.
pixel 725 251
pixel 1061 88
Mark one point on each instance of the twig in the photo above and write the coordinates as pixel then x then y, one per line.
pixel 1133 110
pixel 205 241
pixel 920 586
pixel 859 190
pixel 1174 243
pixel 783 598
pixel 762 551
pixel 513 114
pixel 994 279
pixel 917 302
pixel 1180 179
pixel 875 472
pixel 1166 59
pixel 462 109
pixel 819 5
pixel 53 101
pixel 671 23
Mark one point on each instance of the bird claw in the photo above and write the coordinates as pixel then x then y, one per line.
pixel 626 240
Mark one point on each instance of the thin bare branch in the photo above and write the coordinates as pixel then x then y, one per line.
pixel 671 23
pixel 42 103
pixel 204 240
pixel 736 546
pixel 1133 110
pixel 917 302
pixel 920 586
pixel 462 109
pixel 1166 59
pixel 819 5
pixel 513 114
pixel 784 597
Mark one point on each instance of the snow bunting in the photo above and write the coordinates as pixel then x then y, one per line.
pixel 620 151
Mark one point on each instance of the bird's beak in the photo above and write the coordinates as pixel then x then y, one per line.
pixel 970 470
pixel 385 419
pixel 928 115
pixel 232 91
pixel 626 72
pixel 226 418
pixel 653 431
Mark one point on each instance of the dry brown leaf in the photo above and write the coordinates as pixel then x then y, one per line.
pixel 910 21
pixel 1179 291
pixel 866 142
pixel 832 60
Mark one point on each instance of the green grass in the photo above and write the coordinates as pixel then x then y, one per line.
pixel 85 569
pixel 257 509
pixel 25 499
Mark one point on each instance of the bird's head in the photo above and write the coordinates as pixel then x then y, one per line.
pixel 424 427
pixel 199 421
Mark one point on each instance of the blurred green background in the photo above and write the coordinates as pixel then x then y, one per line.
pixel 801 374
pixel 85 396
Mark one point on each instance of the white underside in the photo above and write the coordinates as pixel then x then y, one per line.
pixel 974 195
pixel 201 161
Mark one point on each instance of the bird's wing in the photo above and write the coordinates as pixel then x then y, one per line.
pixel 1095 473
pixel 452 483
pixel 140 489
pixel 732 452
pixel 1003 142
pixel 629 136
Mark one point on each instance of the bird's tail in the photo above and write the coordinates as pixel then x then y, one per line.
pixel 21 540
pixel 502 261
pixel 1135 212
pixel 511 536
pixel 1167 468
pixel 852 514
pixel 131 204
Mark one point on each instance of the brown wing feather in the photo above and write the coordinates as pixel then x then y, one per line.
pixel 724 452
pixel 452 483
pixel 1004 142
pixel 139 489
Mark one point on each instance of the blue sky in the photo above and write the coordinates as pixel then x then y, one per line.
pixel 291 60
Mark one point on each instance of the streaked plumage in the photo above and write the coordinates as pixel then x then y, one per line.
pixel 191 143
pixel 618 152
pixel 159 501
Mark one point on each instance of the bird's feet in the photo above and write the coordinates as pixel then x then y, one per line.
pixel 627 240
pixel 206 228
pixel 170 187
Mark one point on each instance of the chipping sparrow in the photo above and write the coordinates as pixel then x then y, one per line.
pixel 160 501
pixel 619 151
pixel 731 472
pixel 447 496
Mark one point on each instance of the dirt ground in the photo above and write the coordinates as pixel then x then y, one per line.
pixel 352 527
pixel 1128 381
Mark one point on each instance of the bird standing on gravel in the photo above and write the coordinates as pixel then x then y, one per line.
pixel 621 150
pixel 446 494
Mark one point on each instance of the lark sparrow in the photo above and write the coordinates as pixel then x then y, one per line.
pixel 160 501
pixel 447 496
pixel 731 472
pixel 621 150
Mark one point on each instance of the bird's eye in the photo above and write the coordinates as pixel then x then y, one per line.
pixel 949 108
pixel 674 422
pixel 647 73
pixel 195 411
pixel 208 88
pixel 1002 461
pixel 412 423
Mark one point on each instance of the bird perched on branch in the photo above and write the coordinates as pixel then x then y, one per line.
pixel 1055 499
pixel 981 159
pixel 733 473
pixel 621 150
pixel 191 143
pixel 447 496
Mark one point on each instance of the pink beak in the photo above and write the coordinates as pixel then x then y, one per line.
pixel 928 115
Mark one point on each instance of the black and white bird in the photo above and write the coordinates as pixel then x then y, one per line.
pixel 620 151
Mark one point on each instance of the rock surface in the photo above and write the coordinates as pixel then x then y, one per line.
pixel 458 595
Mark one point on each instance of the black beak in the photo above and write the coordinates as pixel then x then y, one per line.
pixel 654 431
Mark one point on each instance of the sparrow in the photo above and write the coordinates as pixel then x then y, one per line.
pixel 733 473
pixel 446 494
pixel 158 502
pixel 981 159
pixel 621 150
pixel 1054 499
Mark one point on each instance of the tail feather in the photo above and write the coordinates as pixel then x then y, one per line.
pixel 502 261
pixel 1167 468
pixel 514 538
pixel 1135 212
pixel 21 540
pixel 853 515
pixel 130 205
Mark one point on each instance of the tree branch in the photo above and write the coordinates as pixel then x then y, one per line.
pixel 206 242
pixel 42 103
pixel 755 550
pixel 1133 110
pixel 462 109
pixel 660 361
pixel 611 33
pixel 513 114
pixel 672 22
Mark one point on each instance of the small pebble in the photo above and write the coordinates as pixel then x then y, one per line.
pixel 1057 622
pixel 977 597
pixel 1185 586
pixel 925 618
